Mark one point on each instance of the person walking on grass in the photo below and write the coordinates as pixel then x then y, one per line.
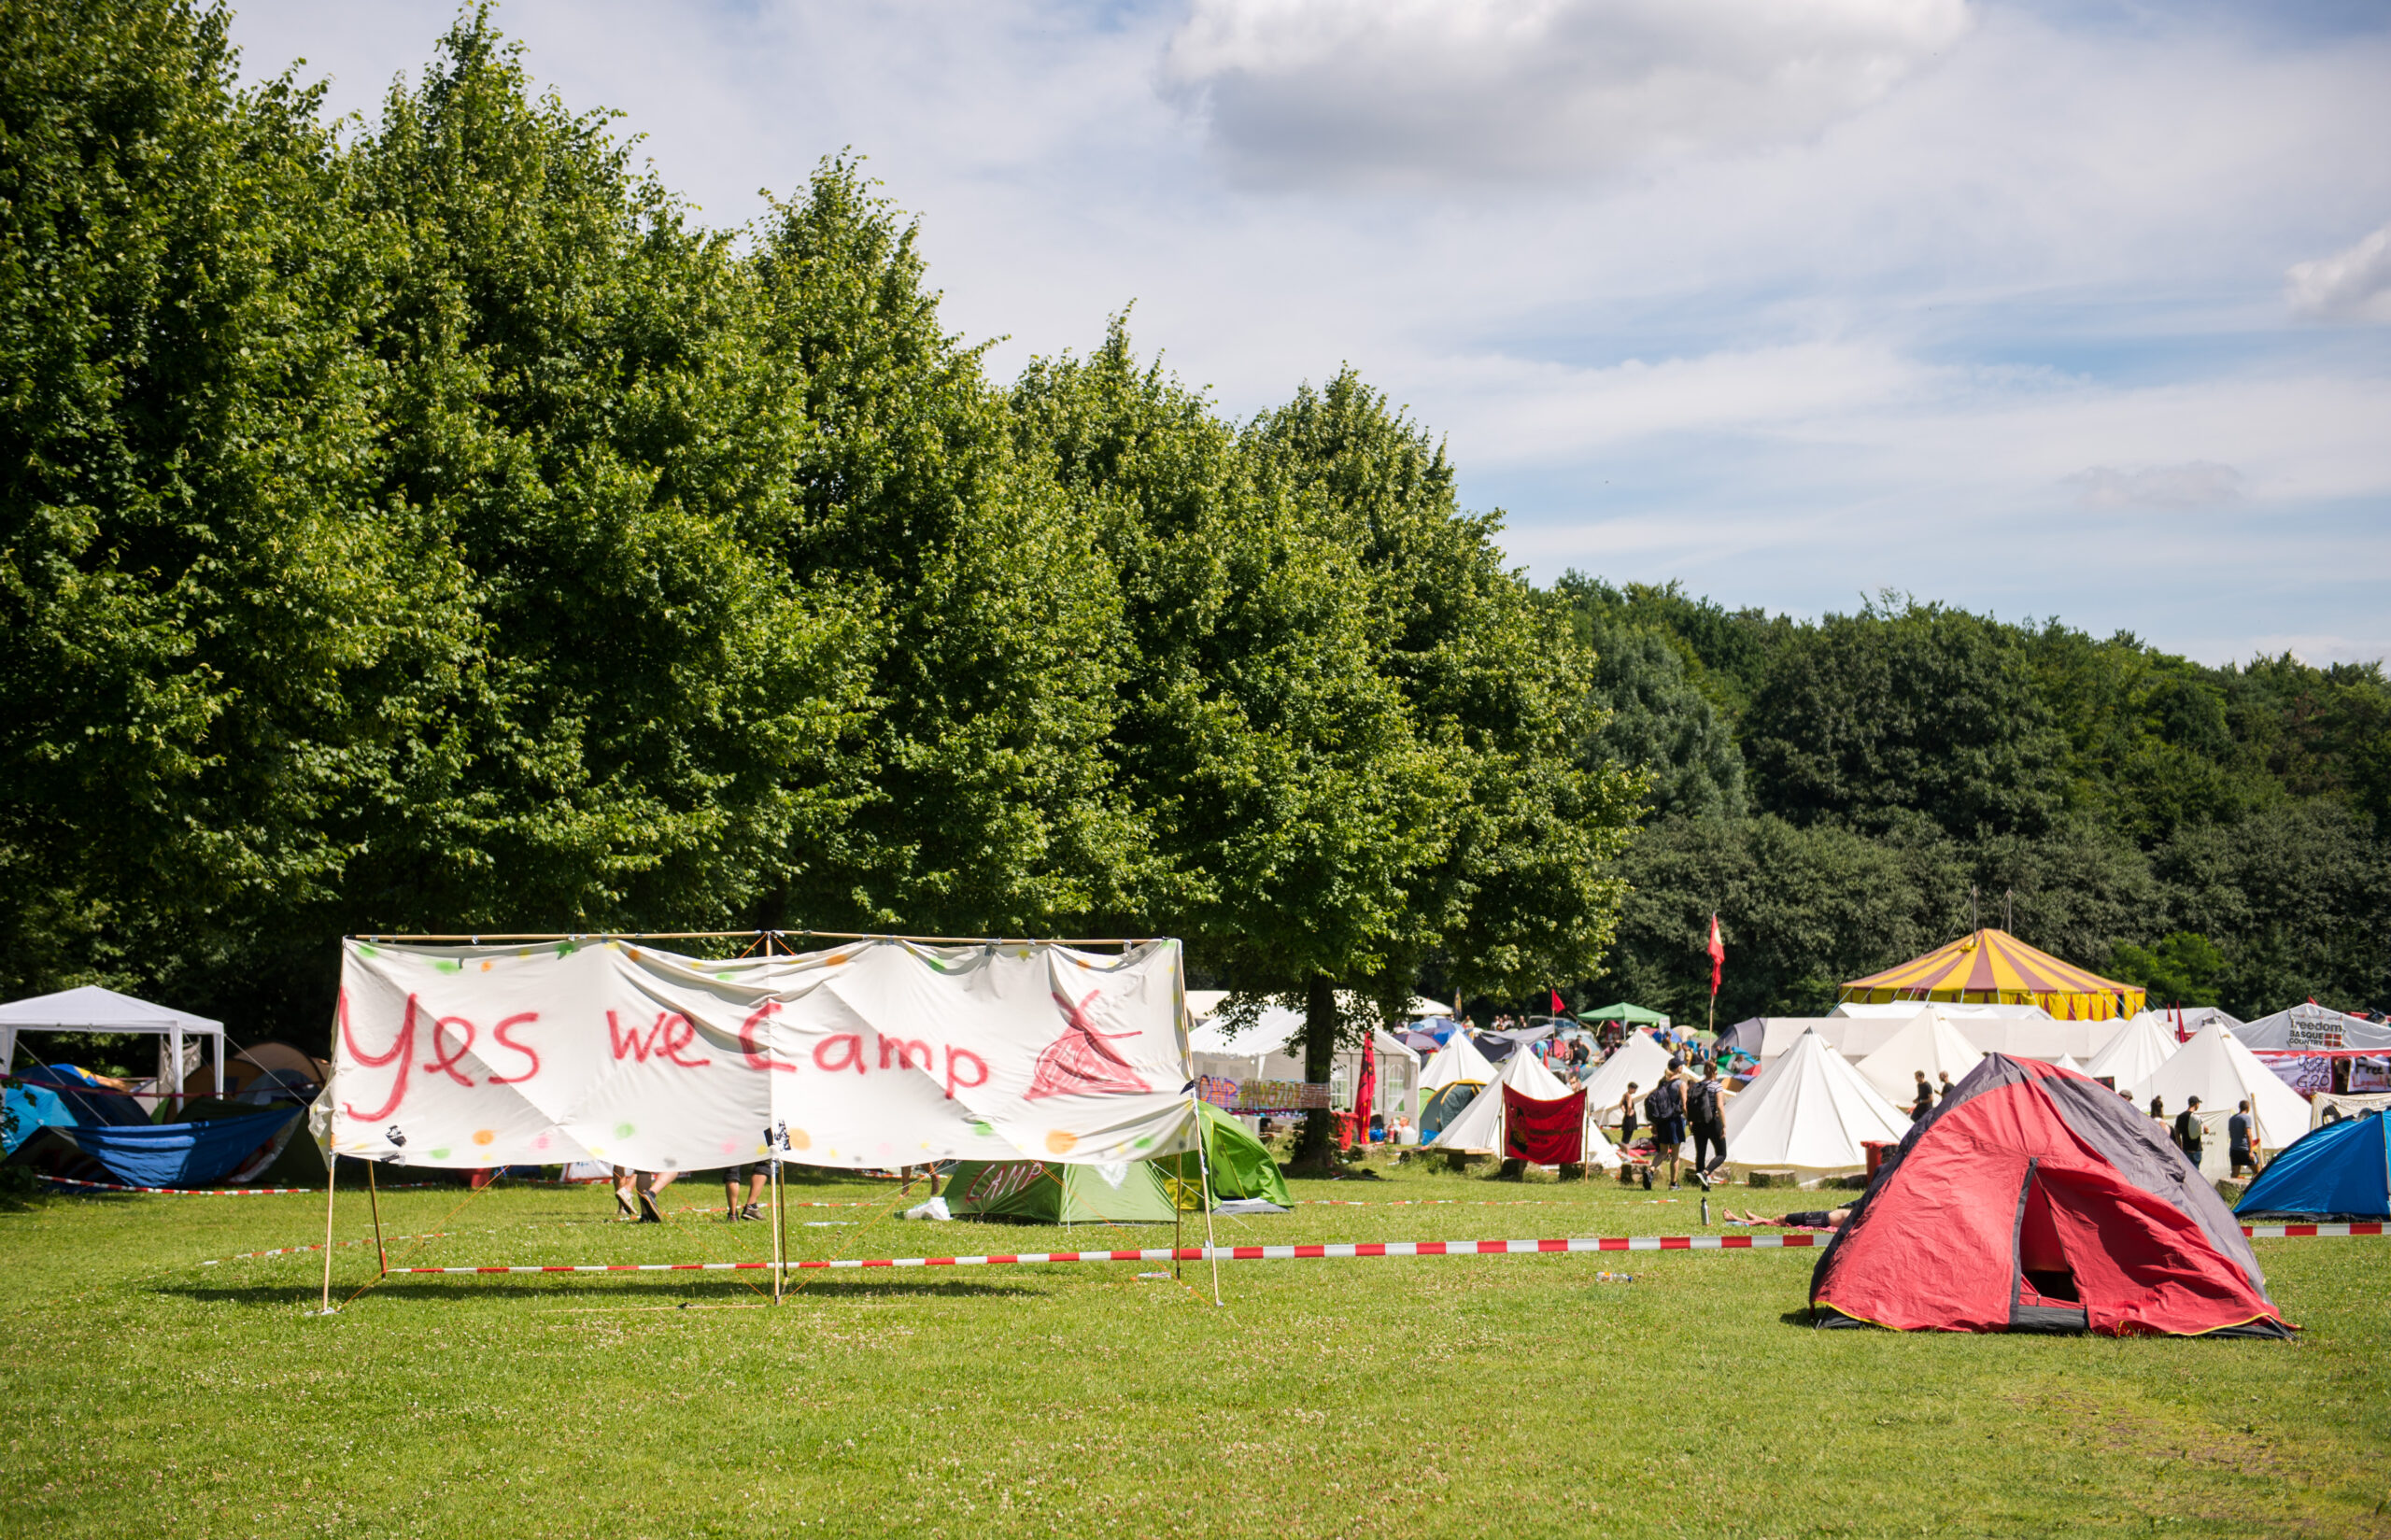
pixel 754 1174
pixel 2237 1140
pixel 1666 1108
pixel 2187 1132
pixel 642 1186
pixel 1706 1115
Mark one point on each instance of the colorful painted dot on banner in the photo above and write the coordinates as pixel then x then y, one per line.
pixel 985 1129
pixel 625 1130
pixel 441 1154
pixel 566 948
pixel 483 1136
pixel 632 954
pixel 364 951
pixel 1144 1142
pixel 449 964
pixel 727 978
pixel 800 1139
pixel 730 1147
pixel 1059 1142
pixel 486 965
pixel 540 1143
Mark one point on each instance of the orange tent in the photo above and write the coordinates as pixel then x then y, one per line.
pixel 1991 966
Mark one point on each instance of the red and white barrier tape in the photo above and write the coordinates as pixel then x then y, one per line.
pixel 185 1192
pixel 1222 1253
pixel 1795 1239
pixel 2277 1232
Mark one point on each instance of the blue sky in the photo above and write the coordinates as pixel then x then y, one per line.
pixel 2044 309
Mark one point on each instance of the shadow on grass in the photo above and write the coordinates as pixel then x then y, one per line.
pixel 660 1292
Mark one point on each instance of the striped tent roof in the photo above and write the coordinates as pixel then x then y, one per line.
pixel 1991 966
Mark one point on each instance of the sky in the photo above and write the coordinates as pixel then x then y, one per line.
pixel 2042 309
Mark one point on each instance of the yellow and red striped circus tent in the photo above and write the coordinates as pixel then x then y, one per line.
pixel 1991 966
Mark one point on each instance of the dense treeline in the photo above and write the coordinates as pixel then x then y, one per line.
pixel 1834 791
pixel 425 525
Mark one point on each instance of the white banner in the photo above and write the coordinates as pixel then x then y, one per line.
pixel 879 1053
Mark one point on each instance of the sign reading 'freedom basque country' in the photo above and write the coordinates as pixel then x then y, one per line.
pixel 878 1053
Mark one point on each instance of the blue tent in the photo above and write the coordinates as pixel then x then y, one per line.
pixel 2341 1168
pixel 165 1155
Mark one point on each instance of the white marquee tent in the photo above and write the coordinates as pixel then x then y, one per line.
pixel 1928 1042
pixel 2216 1068
pixel 1810 1110
pixel 2316 1028
pixel 1639 1060
pixel 92 1009
pixel 2135 1054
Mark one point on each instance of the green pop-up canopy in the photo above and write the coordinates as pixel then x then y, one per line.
pixel 1635 1014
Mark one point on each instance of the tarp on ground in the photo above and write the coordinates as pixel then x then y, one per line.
pixel 2032 1199
pixel 1927 1042
pixel 1050 1193
pixel 2216 1068
pixel 1810 1110
pixel 166 1155
pixel 2313 1027
pixel 2135 1054
pixel 2342 1169
pixel 875 1052
pixel 1991 966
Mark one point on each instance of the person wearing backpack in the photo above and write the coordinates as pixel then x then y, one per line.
pixel 1664 1109
pixel 1706 1115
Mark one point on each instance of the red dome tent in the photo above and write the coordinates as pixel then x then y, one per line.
pixel 2033 1200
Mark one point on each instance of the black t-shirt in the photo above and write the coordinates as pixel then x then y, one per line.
pixel 2187 1129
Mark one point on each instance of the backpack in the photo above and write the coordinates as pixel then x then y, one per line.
pixel 1665 1101
pixel 1702 1103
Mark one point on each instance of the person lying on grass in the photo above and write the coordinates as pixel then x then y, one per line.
pixel 1806 1219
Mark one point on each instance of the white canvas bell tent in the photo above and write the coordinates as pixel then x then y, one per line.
pixel 2216 1068
pixel 1478 1129
pixel 2067 1062
pixel 1810 1110
pixel 1453 1074
pixel 1640 1061
pixel 2135 1054
pixel 1929 1042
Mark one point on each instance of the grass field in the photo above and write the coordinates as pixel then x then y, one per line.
pixel 1508 1396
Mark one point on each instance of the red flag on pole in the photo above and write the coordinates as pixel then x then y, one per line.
pixel 1557 1008
pixel 1718 956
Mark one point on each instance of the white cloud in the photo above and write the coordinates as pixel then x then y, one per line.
pixel 2195 483
pixel 1327 91
pixel 2350 285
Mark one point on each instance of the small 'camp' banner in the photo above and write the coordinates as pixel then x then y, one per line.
pixel 879 1053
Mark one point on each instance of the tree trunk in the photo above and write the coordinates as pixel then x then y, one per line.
pixel 1316 1147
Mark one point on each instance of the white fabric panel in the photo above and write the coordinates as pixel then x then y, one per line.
pixel 1928 1042
pixel 877 1053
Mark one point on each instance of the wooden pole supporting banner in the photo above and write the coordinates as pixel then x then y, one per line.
pixel 1204 1170
pixel 332 1180
pixel 374 1201
pixel 780 1229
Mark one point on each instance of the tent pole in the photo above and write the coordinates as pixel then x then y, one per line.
pixel 332 1180
pixel 1204 1170
pixel 374 1201
pixel 780 1231
pixel 1178 1174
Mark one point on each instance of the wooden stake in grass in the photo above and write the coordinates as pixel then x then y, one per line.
pixel 374 1201
pixel 331 1178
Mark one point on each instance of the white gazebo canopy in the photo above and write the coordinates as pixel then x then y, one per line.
pixel 92 1009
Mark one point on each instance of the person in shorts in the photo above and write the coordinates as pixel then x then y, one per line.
pixel 1666 1108
pixel 2236 1142
pixel 754 1174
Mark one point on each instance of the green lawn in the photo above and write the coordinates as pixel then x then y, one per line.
pixel 1512 1396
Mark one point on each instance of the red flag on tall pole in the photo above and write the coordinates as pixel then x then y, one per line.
pixel 1557 1008
pixel 1718 956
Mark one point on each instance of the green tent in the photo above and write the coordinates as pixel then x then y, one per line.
pixel 1241 1166
pixel 1633 1014
pixel 1042 1193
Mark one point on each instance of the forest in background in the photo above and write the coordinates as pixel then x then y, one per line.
pixel 427 525
pixel 1835 790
